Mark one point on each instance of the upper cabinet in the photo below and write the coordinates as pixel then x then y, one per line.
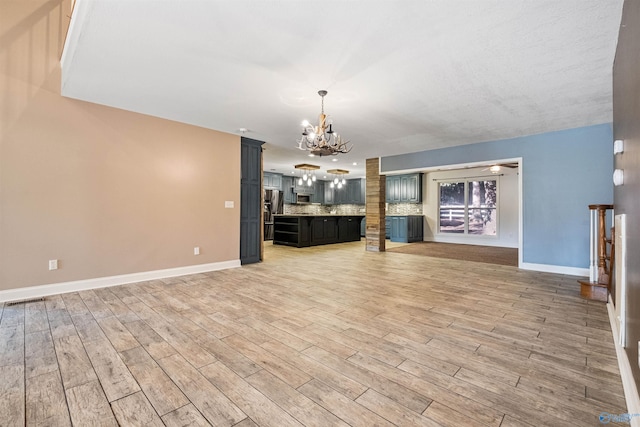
pixel 329 194
pixel 287 189
pixel 404 188
pixel 318 193
pixel 353 192
pixel 321 192
pixel 272 181
pixel 303 188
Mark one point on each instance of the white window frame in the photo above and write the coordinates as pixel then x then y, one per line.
pixel 466 206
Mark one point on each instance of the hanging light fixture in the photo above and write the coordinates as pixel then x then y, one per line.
pixel 338 180
pixel 322 140
pixel 307 173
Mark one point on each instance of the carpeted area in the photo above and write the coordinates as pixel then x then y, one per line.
pixel 487 254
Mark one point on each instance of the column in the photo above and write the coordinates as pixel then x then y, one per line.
pixel 375 204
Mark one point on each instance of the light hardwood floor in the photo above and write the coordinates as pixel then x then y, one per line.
pixel 318 336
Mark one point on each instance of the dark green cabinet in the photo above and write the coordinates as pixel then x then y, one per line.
pixel 393 189
pixel 272 181
pixel 324 230
pixel 287 189
pixel 291 231
pixel 309 230
pixel 349 228
pixel 318 192
pixel 406 229
pixel 356 191
pixel 303 188
pixel 250 200
pixel 329 194
pixel 352 193
pixel 404 188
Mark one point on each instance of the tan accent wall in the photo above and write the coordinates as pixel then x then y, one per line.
pixel 104 191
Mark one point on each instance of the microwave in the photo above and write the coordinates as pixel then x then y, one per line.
pixel 303 198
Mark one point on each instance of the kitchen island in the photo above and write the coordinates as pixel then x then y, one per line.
pixel 312 230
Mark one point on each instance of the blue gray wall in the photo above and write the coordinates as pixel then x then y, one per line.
pixel 562 173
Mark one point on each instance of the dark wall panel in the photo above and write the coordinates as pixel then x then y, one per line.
pixel 626 126
pixel 250 200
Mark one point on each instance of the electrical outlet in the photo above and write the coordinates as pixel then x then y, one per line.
pixel 196 250
pixel 53 264
pixel 228 204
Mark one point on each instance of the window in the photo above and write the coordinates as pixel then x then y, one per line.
pixel 468 207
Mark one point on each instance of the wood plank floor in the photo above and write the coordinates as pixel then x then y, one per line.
pixel 317 336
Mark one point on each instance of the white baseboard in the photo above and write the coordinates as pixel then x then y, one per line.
pixel 628 382
pixel 559 269
pixel 103 282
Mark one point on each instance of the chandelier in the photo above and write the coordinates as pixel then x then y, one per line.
pixel 307 174
pixel 337 181
pixel 322 140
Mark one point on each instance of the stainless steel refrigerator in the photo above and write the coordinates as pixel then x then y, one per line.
pixel 273 204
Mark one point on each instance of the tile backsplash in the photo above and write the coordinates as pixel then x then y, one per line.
pixel 404 209
pixel 324 210
pixel 392 209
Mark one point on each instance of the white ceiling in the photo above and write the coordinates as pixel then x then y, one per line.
pixel 402 76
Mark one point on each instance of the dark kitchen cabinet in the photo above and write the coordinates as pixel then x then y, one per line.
pixel 329 194
pixel 407 228
pixel 272 181
pixel 349 228
pixel 309 230
pixel 324 229
pixel 250 200
pixel 393 189
pixel 287 189
pixel 291 231
pixel 303 188
pixel 404 188
pixel 318 192
pixel 356 191
pixel 352 193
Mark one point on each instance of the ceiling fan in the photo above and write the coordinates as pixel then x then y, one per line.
pixel 496 168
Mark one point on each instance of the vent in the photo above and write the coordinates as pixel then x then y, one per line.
pixel 24 301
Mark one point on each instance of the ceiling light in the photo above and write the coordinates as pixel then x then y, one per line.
pixel 322 140
pixel 307 174
pixel 495 168
pixel 334 160
pixel 337 181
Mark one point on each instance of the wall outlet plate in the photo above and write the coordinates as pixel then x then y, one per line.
pixel 228 204
pixel 196 250
pixel 53 264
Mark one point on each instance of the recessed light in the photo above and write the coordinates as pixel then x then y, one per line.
pixel 355 164
pixel 334 160
pixel 243 130
pixel 312 155
pixel 324 177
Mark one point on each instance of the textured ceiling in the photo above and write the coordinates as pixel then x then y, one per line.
pixel 402 76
